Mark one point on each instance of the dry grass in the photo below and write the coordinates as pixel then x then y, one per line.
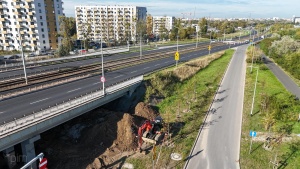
pixel 190 68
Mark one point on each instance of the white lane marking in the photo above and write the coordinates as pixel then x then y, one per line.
pixel 39 101
pixel 118 76
pixel 146 67
pixel 133 71
pixel 97 83
pixel 1 112
pixel 157 65
pixel 73 90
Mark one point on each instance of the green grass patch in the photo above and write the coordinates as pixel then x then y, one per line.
pixel 183 108
pixel 275 110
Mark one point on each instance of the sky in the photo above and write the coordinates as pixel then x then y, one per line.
pixel 202 8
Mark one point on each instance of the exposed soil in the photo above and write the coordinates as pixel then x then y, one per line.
pixel 99 139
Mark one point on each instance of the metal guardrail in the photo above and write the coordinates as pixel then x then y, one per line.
pixel 37 117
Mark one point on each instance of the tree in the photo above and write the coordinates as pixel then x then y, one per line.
pixel 67 31
pixel 149 25
pixel 284 46
pixel 203 24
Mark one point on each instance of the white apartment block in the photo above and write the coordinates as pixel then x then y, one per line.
pixel 108 22
pixel 296 19
pixel 162 21
pixel 32 23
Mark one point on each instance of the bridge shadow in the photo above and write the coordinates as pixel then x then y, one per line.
pixel 85 142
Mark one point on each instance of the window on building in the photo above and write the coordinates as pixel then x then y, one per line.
pixel 48 29
pixel 45 5
pixel 43 36
pixel 50 41
pixel 57 5
pixel 41 17
pixel 39 4
pixel 42 29
pixel 14 17
pixel 47 23
pixel 40 11
pixel 57 0
pixel 42 24
pixel 58 11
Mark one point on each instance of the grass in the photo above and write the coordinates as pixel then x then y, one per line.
pixel 196 92
pixel 287 152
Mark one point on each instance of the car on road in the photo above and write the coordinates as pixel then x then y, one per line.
pixel 30 55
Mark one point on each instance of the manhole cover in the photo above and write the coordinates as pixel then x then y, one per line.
pixel 176 156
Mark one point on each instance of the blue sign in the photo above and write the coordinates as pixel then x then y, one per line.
pixel 252 133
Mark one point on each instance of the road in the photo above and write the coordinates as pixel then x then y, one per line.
pixel 289 84
pixel 218 144
pixel 25 104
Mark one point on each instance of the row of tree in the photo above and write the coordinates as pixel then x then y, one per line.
pixel 284 48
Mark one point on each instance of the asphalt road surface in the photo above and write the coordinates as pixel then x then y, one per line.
pixel 289 84
pixel 218 145
pixel 25 104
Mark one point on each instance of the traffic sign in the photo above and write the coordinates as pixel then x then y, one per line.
pixel 102 79
pixel 43 164
pixel 209 47
pixel 177 55
pixel 252 133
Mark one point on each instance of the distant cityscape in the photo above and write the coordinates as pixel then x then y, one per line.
pixel 37 23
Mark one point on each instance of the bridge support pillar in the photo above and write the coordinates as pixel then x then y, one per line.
pixel 9 158
pixel 28 150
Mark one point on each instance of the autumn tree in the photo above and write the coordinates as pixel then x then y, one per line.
pixel 68 34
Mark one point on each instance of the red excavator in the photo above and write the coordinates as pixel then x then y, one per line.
pixel 150 131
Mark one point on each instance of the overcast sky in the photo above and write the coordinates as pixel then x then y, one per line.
pixel 202 8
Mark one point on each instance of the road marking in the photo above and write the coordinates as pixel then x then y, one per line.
pixel 157 65
pixel 1 112
pixel 146 67
pixel 133 71
pixel 73 90
pixel 39 101
pixel 97 83
pixel 118 76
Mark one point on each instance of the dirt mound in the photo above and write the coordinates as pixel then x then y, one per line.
pixel 99 139
pixel 145 111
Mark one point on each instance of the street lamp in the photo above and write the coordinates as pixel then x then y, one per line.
pixel 254 91
pixel 23 58
pixel 103 78
pixel 140 45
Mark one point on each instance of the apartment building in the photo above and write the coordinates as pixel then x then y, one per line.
pixel 117 23
pixel 32 23
pixel 162 22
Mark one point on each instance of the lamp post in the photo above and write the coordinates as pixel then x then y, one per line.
pixel 254 91
pixel 141 46
pixel 103 81
pixel 23 58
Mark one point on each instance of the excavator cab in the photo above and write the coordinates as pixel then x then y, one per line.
pixel 150 132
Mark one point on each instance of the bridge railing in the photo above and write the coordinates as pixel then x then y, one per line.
pixel 37 117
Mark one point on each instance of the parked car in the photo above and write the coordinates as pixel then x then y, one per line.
pixel 30 55
pixel 14 57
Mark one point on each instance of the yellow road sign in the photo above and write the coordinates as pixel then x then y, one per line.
pixel 177 55
pixel 209 47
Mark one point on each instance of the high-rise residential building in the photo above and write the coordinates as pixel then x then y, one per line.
pixel 32 23
pixel 118 23
pixel 162 24
pixel 296 19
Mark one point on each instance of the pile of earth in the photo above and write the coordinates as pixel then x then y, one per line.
pixel 99 139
